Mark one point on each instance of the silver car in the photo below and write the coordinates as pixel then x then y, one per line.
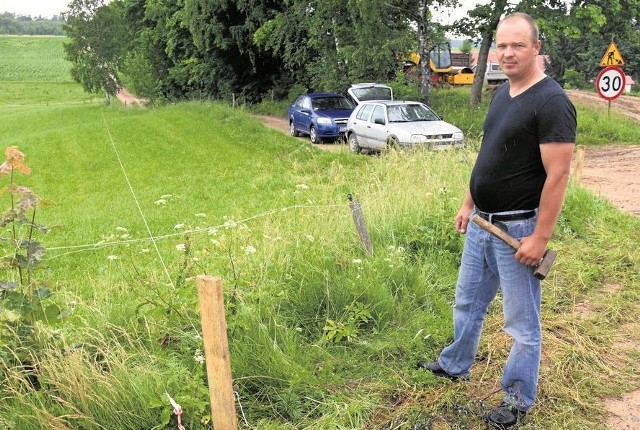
pixel 377 125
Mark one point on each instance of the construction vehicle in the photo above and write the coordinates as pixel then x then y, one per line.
pixel 460 76
pixel 447 68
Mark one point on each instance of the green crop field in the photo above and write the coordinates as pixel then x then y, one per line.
pixel 30 58
pixel 124 207
pixel 33 70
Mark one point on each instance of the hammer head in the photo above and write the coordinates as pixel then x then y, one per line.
pixel 543 268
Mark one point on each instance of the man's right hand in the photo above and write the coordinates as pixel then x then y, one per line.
pixel 462 218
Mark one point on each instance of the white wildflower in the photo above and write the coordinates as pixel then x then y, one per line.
pixel 200 215
pixel 160 202
pixel 249 249
pixel 121 229
pixel 302 186
pixel 356 261
pixel 198 357
pixel 215 242
pixel 144 250
pixel 178 226
pixel 181 247
pixel 310 238
pixel 112 257
pixel 229 224
pixel 212 231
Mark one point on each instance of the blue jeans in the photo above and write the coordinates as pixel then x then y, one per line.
pixel 488 264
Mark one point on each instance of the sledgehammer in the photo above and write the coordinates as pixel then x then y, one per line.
pixel 542 269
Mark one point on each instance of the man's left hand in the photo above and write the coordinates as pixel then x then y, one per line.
pixel 531 250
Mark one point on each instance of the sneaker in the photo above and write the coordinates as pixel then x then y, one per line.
pixel 505 416
pixel 434 367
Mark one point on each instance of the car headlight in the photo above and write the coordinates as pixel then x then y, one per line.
pixel 458 136
pixel 324 120
pixel 418 138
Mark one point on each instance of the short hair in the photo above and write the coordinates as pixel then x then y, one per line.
pixel 535 32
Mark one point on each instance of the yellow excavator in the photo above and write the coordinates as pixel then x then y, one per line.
pixel 441 66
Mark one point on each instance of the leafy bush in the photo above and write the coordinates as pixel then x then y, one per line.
pixel 574 80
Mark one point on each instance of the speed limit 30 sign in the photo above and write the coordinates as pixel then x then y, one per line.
pixel 610 82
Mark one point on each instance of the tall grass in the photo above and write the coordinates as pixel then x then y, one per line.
pixel 321 334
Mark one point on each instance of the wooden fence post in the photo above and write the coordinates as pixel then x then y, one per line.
pixel 216 352
pixel 361 226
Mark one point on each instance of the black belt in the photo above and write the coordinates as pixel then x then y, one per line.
pixel 507 217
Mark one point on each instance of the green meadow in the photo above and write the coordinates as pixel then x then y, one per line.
pixel 135 203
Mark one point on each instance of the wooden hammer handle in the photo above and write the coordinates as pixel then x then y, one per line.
pixel 542 269
pixel 486 225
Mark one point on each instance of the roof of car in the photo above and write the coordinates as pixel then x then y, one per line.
pixel 318 95
pixel 391 102
pixel 368 85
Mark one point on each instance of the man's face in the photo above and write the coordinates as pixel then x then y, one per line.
pixel 515 49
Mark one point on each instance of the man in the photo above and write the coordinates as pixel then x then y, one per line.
pixel 518 183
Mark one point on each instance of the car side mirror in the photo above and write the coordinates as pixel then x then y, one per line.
pixel 379 121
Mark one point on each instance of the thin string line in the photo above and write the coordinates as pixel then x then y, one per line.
pixel 135 199
pixel 73 249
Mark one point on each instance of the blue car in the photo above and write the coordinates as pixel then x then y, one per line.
pixel 322 116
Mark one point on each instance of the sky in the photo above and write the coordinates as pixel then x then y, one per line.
pixel 34 8
pixel 48 8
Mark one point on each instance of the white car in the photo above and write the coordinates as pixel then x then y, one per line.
pixel 377 125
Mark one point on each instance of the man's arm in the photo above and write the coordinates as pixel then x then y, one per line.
pixel 556 158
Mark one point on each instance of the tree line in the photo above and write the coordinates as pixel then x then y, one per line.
pixel 170 50
pixel 26 25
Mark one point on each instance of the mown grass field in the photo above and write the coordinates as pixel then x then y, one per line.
pixel 322 336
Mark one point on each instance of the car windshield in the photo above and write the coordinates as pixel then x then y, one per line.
pixel 411 112
pixel 331 103
pixel 372 93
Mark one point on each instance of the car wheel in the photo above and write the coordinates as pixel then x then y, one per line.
pixel 353 144
pixel 392 143
pixel 313 134
pixel 292 129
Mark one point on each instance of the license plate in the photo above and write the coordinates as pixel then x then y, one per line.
pixel 343 129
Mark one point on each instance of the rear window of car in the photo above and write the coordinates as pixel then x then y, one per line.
pixel 372 93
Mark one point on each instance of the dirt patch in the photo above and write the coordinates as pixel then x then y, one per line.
pixel 624 412
pixel 129 99
pixel 627 105
pixel 282 124
pixel 612 172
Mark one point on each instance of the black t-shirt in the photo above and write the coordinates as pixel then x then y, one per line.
pixel 508 174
